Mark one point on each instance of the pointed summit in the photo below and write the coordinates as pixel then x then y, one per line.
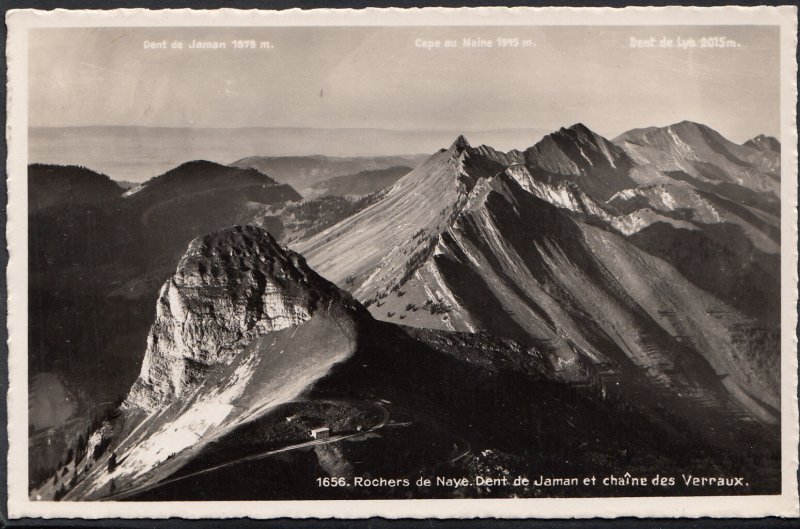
pixel 382 253
pixel 581 130
pixel 577 154
pixel 687 124
pixel 461 143
pixel 229 288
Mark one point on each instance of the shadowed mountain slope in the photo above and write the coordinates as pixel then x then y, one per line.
pixel 64 186
pixel 577 154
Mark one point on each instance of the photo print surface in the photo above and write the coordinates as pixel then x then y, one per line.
pixel 285 262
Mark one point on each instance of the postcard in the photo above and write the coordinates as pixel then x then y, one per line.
pixel 474 262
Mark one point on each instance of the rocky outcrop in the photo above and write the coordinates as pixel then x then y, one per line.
pixel 229 288
pixel 764 143
pixel 98 442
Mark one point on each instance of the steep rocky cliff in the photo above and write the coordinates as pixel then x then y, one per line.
pixel 242 327
pixel 372 252
pixel 229 288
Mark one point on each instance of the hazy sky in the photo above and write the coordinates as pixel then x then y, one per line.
pixel 380 78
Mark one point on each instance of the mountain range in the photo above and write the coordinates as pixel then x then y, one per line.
pixel 511 310
pixel 303 172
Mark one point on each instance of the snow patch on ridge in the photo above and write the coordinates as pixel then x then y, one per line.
pixel 209 412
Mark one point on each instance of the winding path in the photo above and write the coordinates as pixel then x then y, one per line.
pixel 144 488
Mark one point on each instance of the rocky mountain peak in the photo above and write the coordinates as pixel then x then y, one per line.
pixel 763 142
pixel 583 156
pixel 566 139
pixel 687 125
pixel 229 288
pixel 696 132
pixel 580 130
pixel 685 129
pixel 460 144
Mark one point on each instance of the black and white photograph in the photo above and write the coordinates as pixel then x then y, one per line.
pixel 407 260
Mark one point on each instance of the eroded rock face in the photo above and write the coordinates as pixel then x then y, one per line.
pixel 102 436
pixel 229 288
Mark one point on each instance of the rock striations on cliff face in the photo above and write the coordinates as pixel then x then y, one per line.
pixel 229 288
pixel 541 253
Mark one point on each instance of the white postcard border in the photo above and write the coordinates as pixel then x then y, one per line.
pixel 19 21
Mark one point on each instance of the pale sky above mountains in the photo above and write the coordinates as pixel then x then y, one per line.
pixel 379 78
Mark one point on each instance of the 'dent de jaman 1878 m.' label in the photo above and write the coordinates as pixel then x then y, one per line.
pixel 236 44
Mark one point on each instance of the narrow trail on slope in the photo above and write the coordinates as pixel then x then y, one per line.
pixel 145 488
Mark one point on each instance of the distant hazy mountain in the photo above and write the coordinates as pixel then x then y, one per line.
pixel 302 172
pixel 126 184
pixel 703 154
pixel 358 184
pixel 139 153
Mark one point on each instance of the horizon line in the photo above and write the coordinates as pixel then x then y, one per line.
pixel 458 131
